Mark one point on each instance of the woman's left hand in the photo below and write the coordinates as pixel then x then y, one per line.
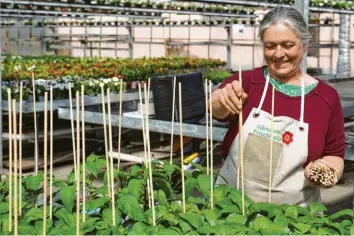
pixel 312 182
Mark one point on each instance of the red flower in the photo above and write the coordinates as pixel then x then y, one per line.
pixel 287 138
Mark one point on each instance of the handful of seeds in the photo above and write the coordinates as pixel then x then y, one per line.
pixel 323 173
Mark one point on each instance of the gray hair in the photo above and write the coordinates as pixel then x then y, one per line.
pixel 286 15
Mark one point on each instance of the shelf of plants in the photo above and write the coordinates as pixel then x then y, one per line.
pixel 333 6
pixel 124 7
pixel 59 13
pixel 92 72
pixel 155 197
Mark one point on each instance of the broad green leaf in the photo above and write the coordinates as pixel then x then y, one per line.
pixel 204 185
pixel 212 215
pixel 228 206
pixel 25 229
pixel 59 183
pixel 189 185
pixel 340 228
pixel 273 229
pixel 33 214
pixel 131 207
pixel 164 186
pixel 102 190
pixel 194 219
pixel 67 196
pixel 199 167
pixel 185 227
pixel 138 228
pixel 324 231
pixel 93 168
pixel 316 207
pixel 206 230
pixel 291 212
pixel 351 229
pixel 171 218
pixel 96 203
pixel 196 200
pixel 135 187
pixel 107 215
pixel 303 228
pixel 192 233
pixel 91 158
pixel 310 219
pixel 301 210
pixel 270 209
pixel 63 230
pixel 236 218
pixel 346 223
pixel 106 231
pixel 230 229
pixel 115 174
pixel 160 211
pixel 345 212
pixel 236 197
pixel 162 231
pixel 39 226
pixel 88 226
pixel 136 170
pixel 66 216
pixel 4 207
pixel 260 222
pixel 169 169
pixel 161 198
pixel 220 192
pixel 34 182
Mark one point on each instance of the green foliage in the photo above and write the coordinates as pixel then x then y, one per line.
pixel 134 216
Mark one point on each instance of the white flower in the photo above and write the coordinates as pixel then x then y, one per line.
pixel 17 68
pixel 115 79
pixel 40 82
pixel 116 84
pixel 90 83
pixel 101 84
pixel 62 86
pixel 31 68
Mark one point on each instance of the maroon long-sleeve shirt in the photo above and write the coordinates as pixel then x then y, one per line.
pixel 323 112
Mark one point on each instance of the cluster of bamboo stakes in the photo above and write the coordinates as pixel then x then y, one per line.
pixel 79 151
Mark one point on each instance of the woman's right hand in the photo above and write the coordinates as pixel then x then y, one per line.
pixel 229 99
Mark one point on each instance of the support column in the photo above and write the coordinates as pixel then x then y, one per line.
pixel 343 63
pixel 303 7
pixel 130 41
pixel 228 46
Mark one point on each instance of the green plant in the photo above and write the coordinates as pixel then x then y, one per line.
pixel 133 215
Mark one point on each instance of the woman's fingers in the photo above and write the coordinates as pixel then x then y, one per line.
pixel 227 97
pixel 223 102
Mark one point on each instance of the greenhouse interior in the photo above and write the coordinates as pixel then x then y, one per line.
pixel 203 117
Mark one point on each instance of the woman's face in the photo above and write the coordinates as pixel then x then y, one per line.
pixel 283 50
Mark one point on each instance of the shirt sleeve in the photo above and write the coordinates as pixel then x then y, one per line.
pixel 229 117
pixel 335 138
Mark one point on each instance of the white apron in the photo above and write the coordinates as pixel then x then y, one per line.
pixel 290 152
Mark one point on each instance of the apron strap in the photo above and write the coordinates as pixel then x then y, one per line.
pixel 263 95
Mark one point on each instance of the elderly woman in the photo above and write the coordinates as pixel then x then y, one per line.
pixel 308 123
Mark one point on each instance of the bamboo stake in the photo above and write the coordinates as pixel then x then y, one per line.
pixel 181 143
pixel 14 117
pixel 211 150
pixel 240 125
pixel 9 105
pixel 207 125
pixel 144 140
pixel 271 149
pixel 83 153
pixel 35 127
pixel 120 119
pixel 20 150
pixel 51 155
pixel 173 116
pixel 110 140
pixel 45 163
pixel 105 141
pixel 149 157
pixel 148 102
pixel 72 127
pixel 77 163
